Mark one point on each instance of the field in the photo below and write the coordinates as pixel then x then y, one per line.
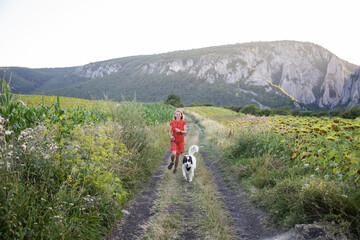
pixel 299 169
pixel 67 166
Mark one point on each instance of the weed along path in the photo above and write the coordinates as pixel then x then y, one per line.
pixel 210 207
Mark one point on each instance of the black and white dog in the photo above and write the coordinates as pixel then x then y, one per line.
pixel 189 163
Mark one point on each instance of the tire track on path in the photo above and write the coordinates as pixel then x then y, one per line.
pixel 249 222
pixel 138 210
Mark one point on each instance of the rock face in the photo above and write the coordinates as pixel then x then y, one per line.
pixel 351 93
pixel 305 71
pixel 308 72
pixel 97 70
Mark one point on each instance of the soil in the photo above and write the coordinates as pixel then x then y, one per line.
pixel 249 222
pixel 137 211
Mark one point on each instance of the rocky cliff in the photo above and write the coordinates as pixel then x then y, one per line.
pixel 350 96
pixel 305 71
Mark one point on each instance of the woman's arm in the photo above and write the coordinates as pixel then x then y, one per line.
pixel 171 132
pixel 183 132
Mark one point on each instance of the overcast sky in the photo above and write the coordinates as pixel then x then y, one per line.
pixel 62 33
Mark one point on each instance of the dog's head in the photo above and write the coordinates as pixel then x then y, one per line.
pixel 187 160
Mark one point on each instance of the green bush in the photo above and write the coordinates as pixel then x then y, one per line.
pixel 251 109
pixel 352 113
pixel 174 100
pixel 266 112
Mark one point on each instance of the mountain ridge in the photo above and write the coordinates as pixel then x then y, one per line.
pixel 222 75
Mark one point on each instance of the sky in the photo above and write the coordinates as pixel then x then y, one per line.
pixel 64 33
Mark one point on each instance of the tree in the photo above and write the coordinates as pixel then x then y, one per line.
pixel 251 109
pixel 174 100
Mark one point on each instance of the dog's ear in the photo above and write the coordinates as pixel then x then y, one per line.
pixel 184 160
pixel 191 159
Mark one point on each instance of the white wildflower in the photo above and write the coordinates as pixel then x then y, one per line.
pixel 306 165
pixel 8 133
pixel 23 147
pixel 317 169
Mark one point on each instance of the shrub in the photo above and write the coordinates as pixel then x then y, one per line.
pixel 352 113
pixel 266 112
pixel 251 109
pixel 174 100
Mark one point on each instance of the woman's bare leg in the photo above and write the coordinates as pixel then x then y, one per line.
pixel 177 160
pixel 173 154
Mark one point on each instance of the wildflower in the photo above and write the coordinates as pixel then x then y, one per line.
pixel 23 147
pixel 306 165
pixel 8 133
pixel 11 146
pixel 317 169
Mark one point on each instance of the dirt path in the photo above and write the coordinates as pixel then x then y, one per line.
pixel 210 207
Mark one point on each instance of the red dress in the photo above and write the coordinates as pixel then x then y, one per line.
pixel 178 144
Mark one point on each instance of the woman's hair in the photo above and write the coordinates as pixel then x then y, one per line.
pixel 182 115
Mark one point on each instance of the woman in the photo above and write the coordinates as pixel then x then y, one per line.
pixel 177 131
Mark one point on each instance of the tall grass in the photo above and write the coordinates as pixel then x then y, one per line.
pixel 65 173
pixel 291 192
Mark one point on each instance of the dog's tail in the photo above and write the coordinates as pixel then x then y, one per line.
pixel 193 149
